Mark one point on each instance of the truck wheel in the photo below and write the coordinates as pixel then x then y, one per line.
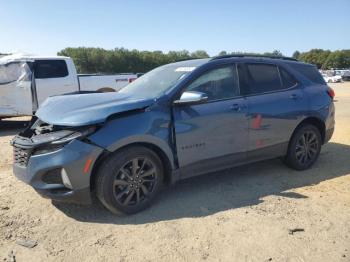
pixel 304 147
pixel 129 180
pixel 106 90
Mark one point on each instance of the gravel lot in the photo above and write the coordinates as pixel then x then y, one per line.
pixel 243 214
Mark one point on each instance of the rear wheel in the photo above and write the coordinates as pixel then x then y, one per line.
pixel 304 147
pixel 106 90
pixel 129 180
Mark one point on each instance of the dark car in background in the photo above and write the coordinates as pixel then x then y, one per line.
pixel 177 121
pixel 346 75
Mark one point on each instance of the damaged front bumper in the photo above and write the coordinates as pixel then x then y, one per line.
pixel 61 173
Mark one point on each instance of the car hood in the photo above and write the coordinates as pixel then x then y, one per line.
pixel 87 109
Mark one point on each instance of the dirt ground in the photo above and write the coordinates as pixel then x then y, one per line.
pixel 243 214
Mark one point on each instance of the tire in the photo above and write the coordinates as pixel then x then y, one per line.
pixel 300 155
pixel 106 90
pixel 125 191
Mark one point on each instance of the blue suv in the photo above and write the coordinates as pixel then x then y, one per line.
pixel 177 121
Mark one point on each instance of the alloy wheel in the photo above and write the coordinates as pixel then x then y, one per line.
pixel 135 181
pixel 307 147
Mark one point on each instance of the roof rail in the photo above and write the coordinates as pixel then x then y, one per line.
pixel 254 56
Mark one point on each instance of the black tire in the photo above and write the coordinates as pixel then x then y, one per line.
pixel 300 155
pixel 123 190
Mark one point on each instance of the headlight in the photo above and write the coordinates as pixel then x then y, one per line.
pixel 50 137
pixel 54 141
pixel 75 135
pixel 62 136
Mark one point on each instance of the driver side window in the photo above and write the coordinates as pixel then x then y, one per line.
pixel 219 83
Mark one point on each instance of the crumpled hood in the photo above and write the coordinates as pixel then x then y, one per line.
pixel 87 109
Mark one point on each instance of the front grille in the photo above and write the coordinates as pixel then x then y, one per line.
pixel 21 156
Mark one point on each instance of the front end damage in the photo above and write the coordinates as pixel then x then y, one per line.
pixel 56 161
pixel 55 154
pixel 16 88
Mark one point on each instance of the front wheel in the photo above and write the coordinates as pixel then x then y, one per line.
pixel 129 180
pixel 304 147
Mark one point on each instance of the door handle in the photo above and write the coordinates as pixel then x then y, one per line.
pixel 235 107
pixel 294 96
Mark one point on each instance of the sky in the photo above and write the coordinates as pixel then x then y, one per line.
pixel 44 27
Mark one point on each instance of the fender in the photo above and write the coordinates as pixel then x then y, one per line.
pixel 147 127
pixel 144 139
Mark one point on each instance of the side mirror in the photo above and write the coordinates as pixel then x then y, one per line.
pixel 191 97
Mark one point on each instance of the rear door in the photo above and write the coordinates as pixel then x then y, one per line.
pixel 212 135
pixel 52 78
pixel 276 105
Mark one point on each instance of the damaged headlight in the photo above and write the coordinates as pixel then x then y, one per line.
pixel 42 138
pixel 53 141
pixel 62 136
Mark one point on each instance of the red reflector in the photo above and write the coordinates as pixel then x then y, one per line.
pixel 257 122
pixel 132 79
pixel 331 92
pixel 87 165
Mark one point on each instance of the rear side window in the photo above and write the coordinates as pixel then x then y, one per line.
pixel 50 69
pixel 288 80
pixel 310 72
pixel 263 78
pixel 219 83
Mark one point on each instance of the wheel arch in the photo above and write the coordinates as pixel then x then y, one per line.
pixel 317 122
pixel 106 89
pixel 164 157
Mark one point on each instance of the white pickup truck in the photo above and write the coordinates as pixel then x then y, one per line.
pixel 26 81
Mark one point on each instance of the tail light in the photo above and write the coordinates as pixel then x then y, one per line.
pixel 331 92
pixel 132 79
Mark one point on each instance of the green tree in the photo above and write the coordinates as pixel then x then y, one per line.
pixel 315 56
pixel 199 54
pixel 338 59
pixel 296 54
pixel 121 60
pixel 274 53
pixel 222 53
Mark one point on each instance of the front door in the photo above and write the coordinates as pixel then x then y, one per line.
pixel 213 135
pixel 15 89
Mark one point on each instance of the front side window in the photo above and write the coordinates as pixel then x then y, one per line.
pixel 50 69
pixel 220 83
pixel 263 78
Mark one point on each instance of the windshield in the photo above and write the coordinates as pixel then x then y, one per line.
pixel 15 71
pixel 161 79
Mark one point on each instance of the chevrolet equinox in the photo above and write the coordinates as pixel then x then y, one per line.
pixel 177 121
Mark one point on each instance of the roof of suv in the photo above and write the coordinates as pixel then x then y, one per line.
pixel 260 58
pixel 254 56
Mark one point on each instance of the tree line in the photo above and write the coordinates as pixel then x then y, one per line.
pixel 325 59
pixel 121 60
